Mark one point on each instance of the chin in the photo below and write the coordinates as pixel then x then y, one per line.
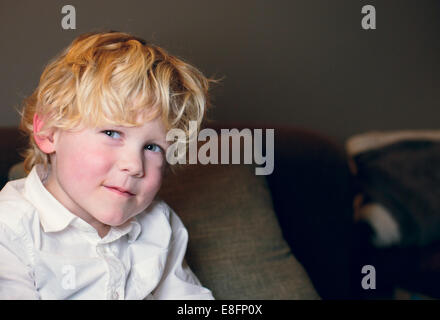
pixel 114 219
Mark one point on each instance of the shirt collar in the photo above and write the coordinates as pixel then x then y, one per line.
pixel 133 234
pixel 55 217
pixel 131 228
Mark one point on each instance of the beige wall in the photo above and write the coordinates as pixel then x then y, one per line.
pixel 301 62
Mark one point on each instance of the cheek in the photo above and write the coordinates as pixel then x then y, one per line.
pixel 84 164
pixel 153 180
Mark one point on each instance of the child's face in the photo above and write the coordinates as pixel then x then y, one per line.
pixel 108 175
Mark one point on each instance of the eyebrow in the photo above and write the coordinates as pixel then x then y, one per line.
pixel 161 142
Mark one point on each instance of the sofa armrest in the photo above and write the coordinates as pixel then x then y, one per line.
pixel 11 145
pixel 312 191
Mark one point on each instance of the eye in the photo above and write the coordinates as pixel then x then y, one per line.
pixel 153 147
pixel 112 134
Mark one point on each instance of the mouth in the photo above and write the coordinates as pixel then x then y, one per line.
pixel 120 191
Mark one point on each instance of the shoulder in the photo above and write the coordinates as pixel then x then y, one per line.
pixel 18 219
pixel 160 219
pixel 15 210
pixel 161 210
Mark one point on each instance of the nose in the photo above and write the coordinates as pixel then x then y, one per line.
pixel 132 163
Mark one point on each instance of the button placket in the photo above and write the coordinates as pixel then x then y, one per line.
pixel 115 268
pixel 117 276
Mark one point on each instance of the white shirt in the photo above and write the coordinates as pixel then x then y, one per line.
pixel 46 252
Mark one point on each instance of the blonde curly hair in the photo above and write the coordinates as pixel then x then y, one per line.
pixel 113 78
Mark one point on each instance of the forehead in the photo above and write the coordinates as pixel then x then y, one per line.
pixel 153 130
pixel 154 127
pixel 142 118
pixel 133 112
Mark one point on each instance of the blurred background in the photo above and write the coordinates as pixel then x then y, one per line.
pixel 305 63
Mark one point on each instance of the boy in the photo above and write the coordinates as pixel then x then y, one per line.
pixel 85 224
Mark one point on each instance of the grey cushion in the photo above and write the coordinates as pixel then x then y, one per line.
pixel 236 247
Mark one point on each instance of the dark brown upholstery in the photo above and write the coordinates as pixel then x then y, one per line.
pixel 11 145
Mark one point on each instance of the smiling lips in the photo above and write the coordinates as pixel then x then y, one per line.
pixel 120 191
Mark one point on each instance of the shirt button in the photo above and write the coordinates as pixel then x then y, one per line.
pixel 115 296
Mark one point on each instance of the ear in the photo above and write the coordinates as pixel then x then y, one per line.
pixel 45 140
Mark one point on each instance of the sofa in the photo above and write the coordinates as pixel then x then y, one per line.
pixel 287 235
